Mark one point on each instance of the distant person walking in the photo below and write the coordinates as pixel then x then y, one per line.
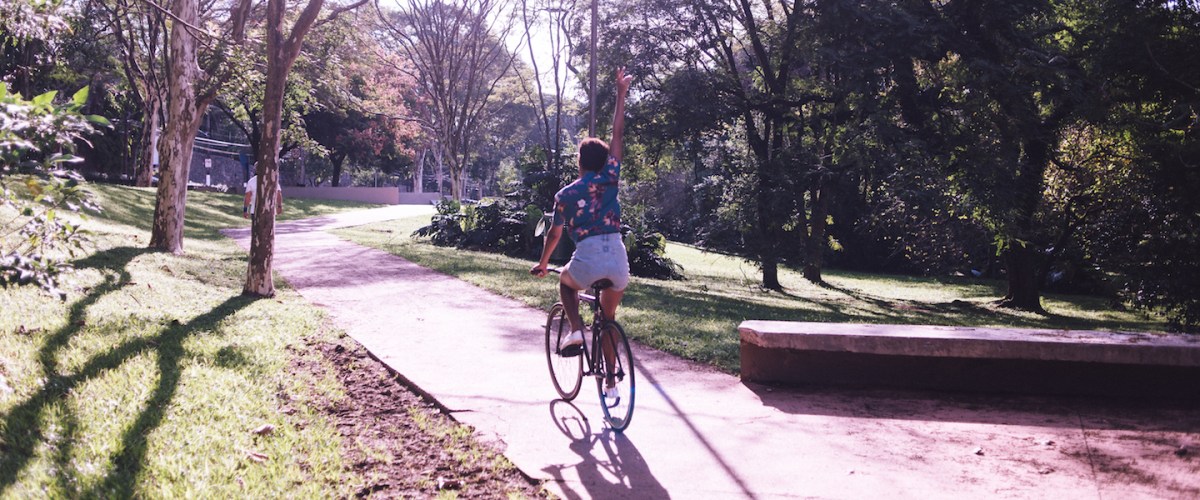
pixel 252 196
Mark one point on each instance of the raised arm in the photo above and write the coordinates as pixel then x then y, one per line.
pixel 614 146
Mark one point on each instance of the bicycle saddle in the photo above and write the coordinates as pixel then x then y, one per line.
pixel 602 283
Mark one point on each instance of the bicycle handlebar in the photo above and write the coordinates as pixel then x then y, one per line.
pixel 555 270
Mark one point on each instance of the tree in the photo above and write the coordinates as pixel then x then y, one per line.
pixel 459 57
pixel 993 103
pixel 557 17
pixel 36 139
pixel 1137 160
pixel 362 112
pixel 800 82
pixel 140 32
pixel 282 50
pixel 190 92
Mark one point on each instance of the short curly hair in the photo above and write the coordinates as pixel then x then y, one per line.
pixel 593 154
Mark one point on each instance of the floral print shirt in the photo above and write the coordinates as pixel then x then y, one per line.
pixel 589 206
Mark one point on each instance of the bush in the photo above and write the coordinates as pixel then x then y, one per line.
pixel 498 226
pixel 647 256
pixel 36 139
pixel 491 225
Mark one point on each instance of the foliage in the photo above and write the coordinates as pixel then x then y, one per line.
pixel 513 226
pixel 647 256
pixel 36 138
pixel 363 100
pixel 458 55
pixel 493 225
pixel 695 318
pixel 1138 160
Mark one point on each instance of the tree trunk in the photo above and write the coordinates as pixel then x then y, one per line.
pixel 815 243
pixel 767 227
pixel 149 142
pixel 770 269
pixel 338 159
pixel 441 171
pixel 1022 265
pixel 456 179
pixel 183 118
pixel 419 175
pixel 1023 262
pixel 281 53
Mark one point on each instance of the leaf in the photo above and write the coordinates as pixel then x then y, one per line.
pixel 264 429
pixel 98 120
pixel 80 98
pixel 44 99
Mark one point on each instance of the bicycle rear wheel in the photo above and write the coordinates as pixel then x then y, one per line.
pixel 565 371
pixel 616 371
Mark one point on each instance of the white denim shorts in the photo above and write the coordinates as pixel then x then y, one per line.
pixel 598 257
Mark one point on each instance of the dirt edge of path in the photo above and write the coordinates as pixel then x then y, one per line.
pixel 400 442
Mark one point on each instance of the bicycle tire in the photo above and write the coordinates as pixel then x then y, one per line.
pixel 565 372
pixel 619 411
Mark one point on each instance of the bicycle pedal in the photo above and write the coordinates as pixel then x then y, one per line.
pixel 571 351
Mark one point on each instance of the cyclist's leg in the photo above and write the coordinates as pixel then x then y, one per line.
pixel 609 300
pixel 568 291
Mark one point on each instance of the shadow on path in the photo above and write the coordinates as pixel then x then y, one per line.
pixel 691 426
pixel 998 409
pixel 624 461
pixel 25 426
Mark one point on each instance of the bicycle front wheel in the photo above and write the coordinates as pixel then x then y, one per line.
pixel 565 371
pixel 615 379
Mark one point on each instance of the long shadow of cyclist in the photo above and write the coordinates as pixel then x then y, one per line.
pixel 622 473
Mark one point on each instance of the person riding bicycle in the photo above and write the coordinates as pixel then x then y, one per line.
pixel 591 210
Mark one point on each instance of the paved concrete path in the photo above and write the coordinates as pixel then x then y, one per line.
pixel 699 433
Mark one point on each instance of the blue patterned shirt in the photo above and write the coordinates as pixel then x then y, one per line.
pixel 589 206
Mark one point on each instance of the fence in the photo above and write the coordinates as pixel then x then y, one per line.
pixel 381 195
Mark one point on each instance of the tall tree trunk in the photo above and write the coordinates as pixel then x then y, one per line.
pixel 419 174
pixel 1021 264
pixel 814 244
pixel 1023 261
pixel 456 182
pixel 183 118
pixel 281 53
pixel 338 160
pixel 149 143
pixel 770 270
pixel 441 170
pixel 768 236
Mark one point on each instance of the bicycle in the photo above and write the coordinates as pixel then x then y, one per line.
pixel 567 365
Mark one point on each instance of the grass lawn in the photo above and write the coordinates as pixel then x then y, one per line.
pixel 152 377
pixel 697 318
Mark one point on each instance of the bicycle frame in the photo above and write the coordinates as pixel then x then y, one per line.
pixel 593 301
pixel 607 358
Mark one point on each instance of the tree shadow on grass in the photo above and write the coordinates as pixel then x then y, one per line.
pixel 23 426
pixel 969 313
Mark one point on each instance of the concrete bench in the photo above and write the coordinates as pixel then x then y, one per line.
pixel 1009 360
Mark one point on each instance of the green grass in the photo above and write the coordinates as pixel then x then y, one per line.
pixel 149 378
pixel 697 318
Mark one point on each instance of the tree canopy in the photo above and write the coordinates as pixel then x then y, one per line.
pixel 1052 144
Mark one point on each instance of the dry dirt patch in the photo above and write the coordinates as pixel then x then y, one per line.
pixel 403 445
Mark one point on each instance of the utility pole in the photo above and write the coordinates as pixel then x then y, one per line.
pixel 592 77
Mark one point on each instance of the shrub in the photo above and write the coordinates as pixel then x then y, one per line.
pixel 36 138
